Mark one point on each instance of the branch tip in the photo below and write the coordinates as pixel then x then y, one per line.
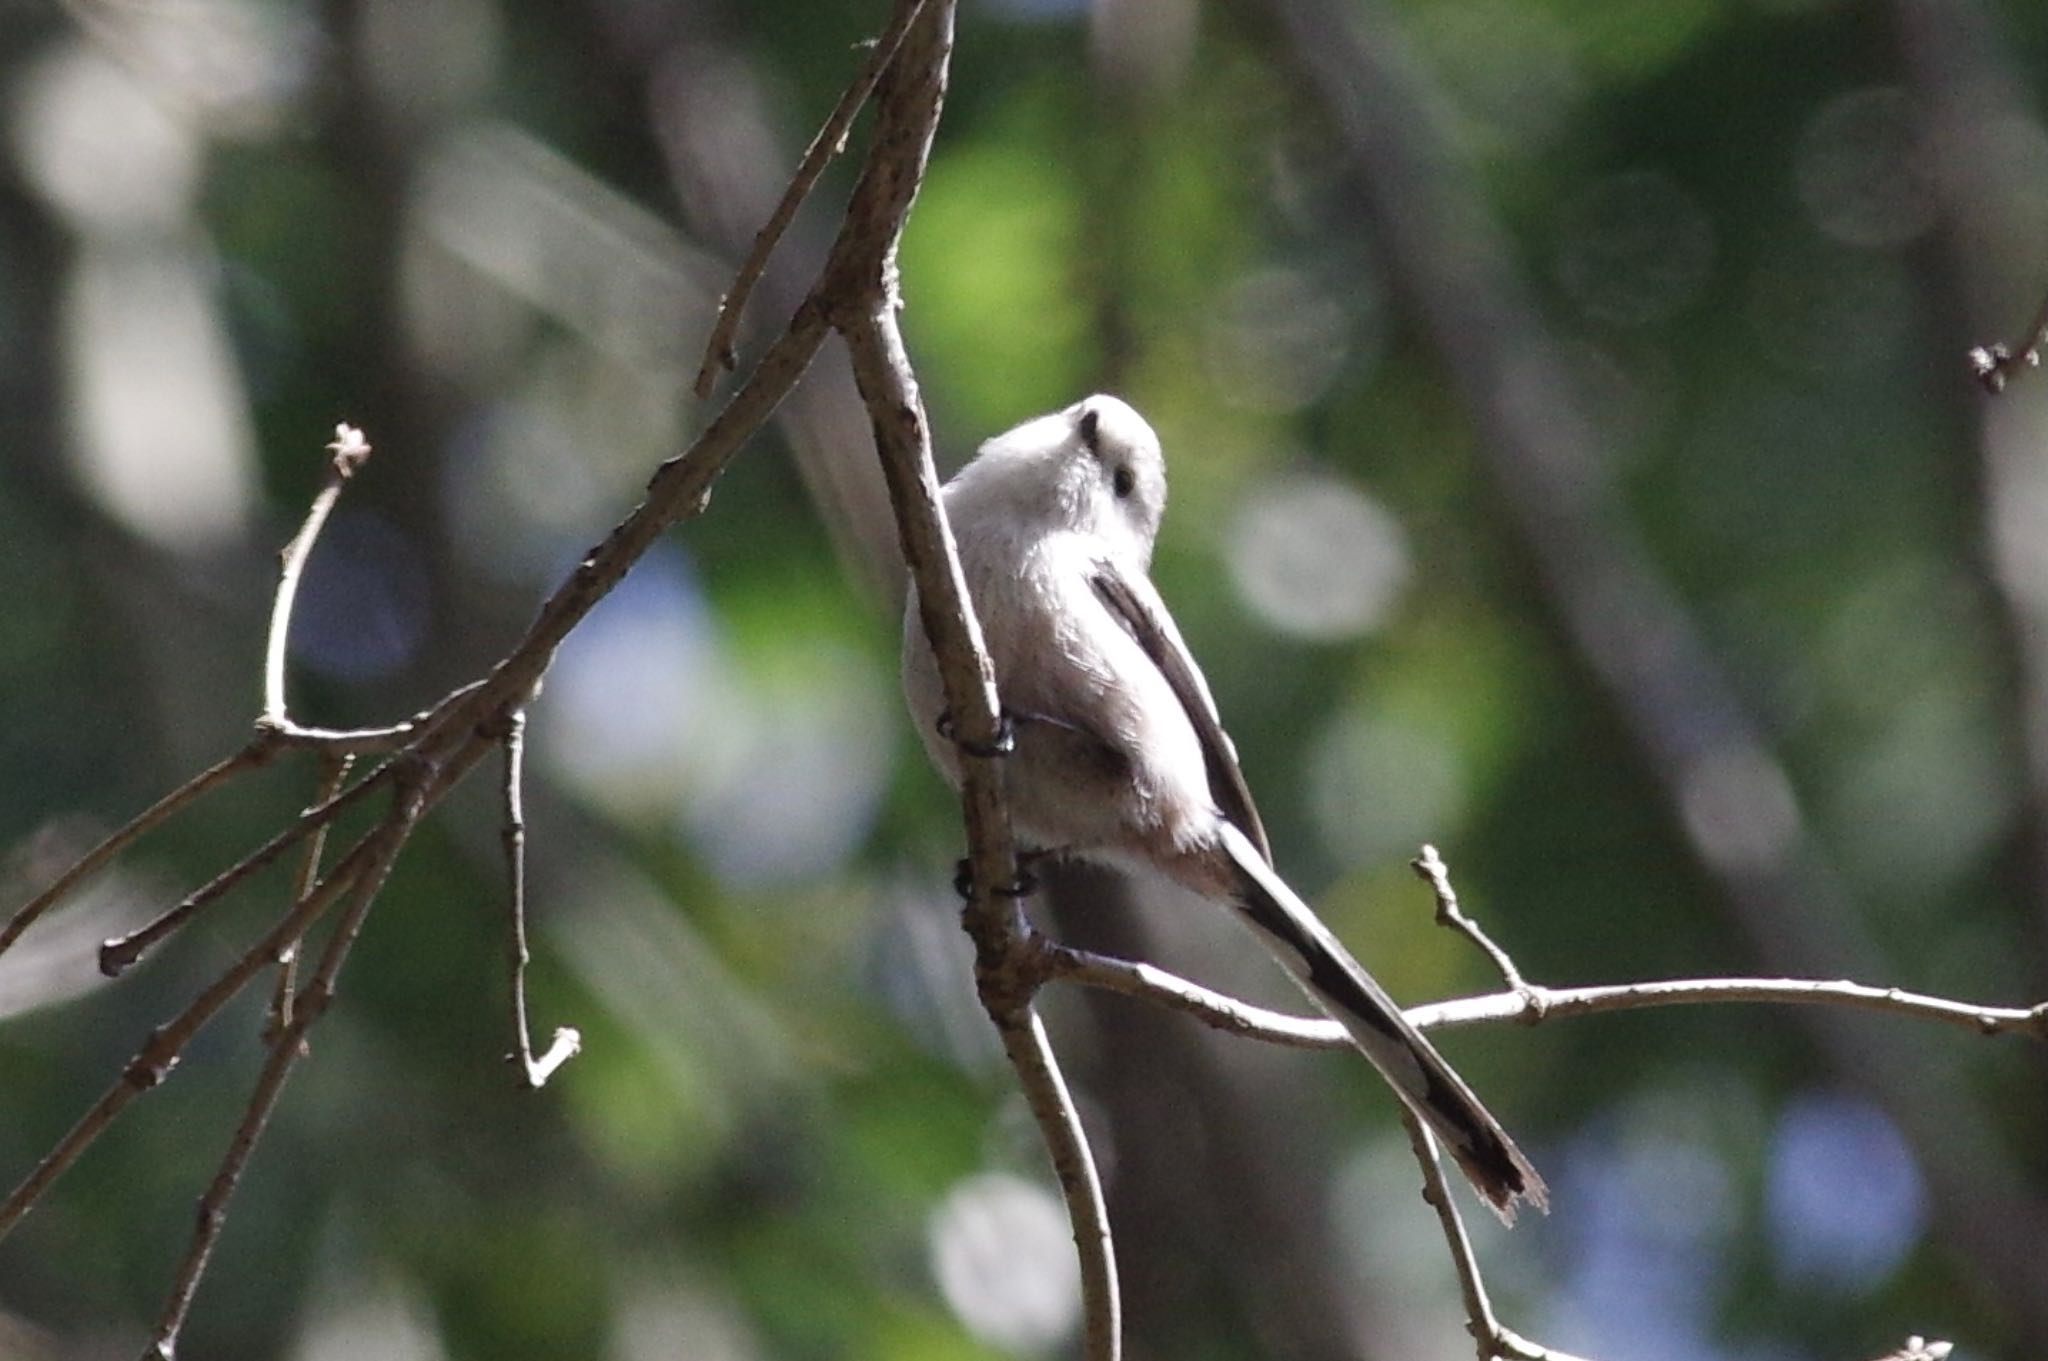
pixel 1430 868
pixel 1918 1348
pixel 349 448
pixel 1993 365
pixel 535 1072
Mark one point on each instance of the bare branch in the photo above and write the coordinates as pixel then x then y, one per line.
pixel 1066 1143
pixel 257 753
pixel 118 954
pixel 863 265
pixel 1532 1005
pixel 1562 1003
pixel 1436 1192
pixel 679 489
pixel 159 1053
pixel 1219 1011
pixel 432 752
pixel 1490 1338
pixel 372 741
pixel 1430 867
pixel 449 738
pixel 1514 1347
pixel 1009 968
pixel 287 1047
pixel 350 451
pixel 333 773
pixel 830 141
pixel 533 1072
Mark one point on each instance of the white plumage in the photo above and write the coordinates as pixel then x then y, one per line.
pixel 1120 754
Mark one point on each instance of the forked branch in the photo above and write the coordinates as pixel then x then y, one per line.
pixel 259 752
pixel 287 1047
pixel 333 774
pixel 1527 1003
pixel 831 140
pixel 423 757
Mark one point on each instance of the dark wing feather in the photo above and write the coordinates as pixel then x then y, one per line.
pixel 1137 607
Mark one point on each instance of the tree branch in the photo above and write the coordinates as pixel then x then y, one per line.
pixel 1430 868
pixel 830 141
pixel 350 451
pixel 1534 1004
pixel 448 739
pixel 287 1047
pixel 429 754
pixel 160 1052
pixel 862 272
pixel 258 752
pixel 118 954
pixel 1436 1193
pixel 334 772
pixel 534 1073
pixel 1066 1143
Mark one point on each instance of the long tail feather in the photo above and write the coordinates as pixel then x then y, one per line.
pixel 1410 1064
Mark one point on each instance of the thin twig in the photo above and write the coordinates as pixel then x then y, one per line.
pixel 1563 1003
pixel 121 952
pixel 373 741
pixel 333 773
pixel 1059 1125
pixel 258 752
pixel 1219 1011
pixel 533 1072
pixel 1233 1016
pixel 159 1053
pixel 1490 1338
pixel 1994 365
pixel 349 451
pixel 1430 867
pixel 1479 1316
pixel 457 732
pixel 678 489
pixel 1515 1347
pixel 830 141
pixel 286 1048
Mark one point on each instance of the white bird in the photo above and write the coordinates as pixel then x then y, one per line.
pixel 1119 755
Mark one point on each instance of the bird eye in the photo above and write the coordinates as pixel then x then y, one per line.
pixel 1123 482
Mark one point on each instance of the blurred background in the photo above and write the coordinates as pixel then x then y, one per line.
pixel 1575 465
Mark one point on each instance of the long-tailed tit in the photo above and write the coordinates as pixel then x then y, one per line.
pixel 1119 754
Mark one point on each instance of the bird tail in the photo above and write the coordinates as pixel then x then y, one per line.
pixel 1418 1074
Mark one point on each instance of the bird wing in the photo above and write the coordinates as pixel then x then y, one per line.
pixel 1135 604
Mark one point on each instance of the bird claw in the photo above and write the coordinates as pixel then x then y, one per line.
pixel 1023 886
pixel 1005 743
